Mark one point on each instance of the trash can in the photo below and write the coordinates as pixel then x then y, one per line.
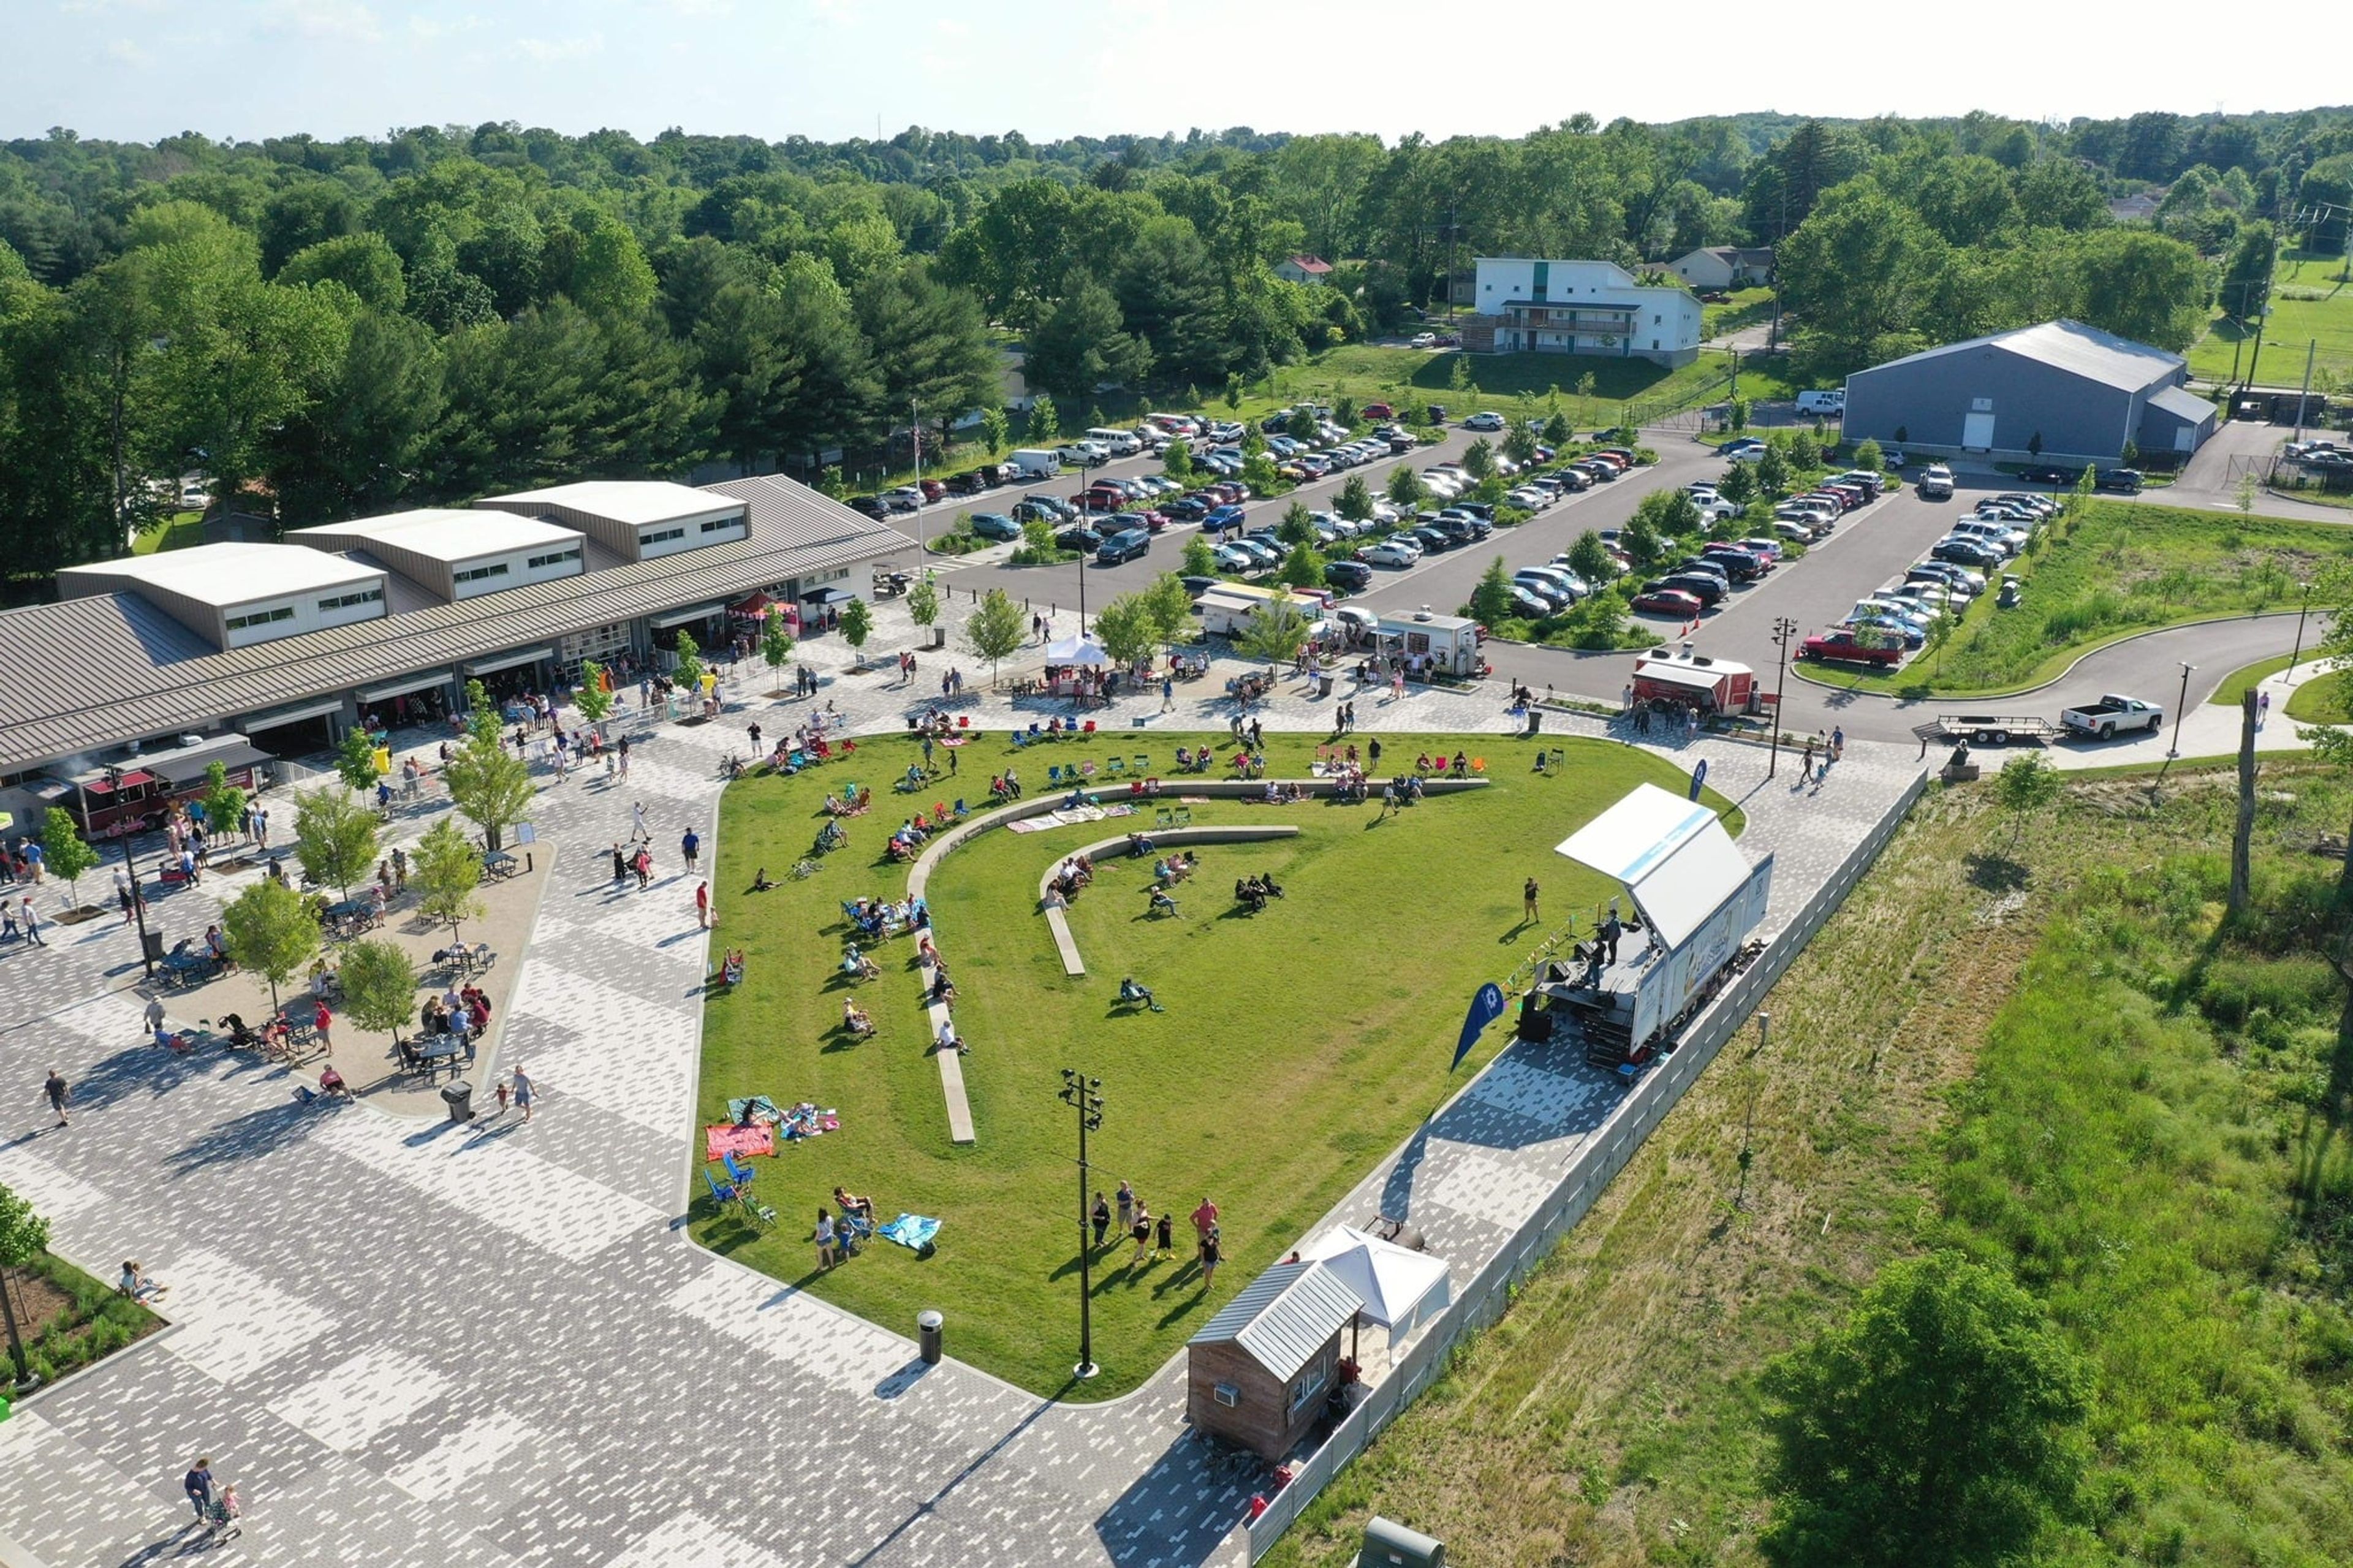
pixel 927 1334
pixel 151 946
pixel 1536 719
pixel 459 1095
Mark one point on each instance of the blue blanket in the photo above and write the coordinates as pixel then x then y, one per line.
pixel 913 1230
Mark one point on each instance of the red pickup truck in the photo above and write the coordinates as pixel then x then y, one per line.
pixel 1845 647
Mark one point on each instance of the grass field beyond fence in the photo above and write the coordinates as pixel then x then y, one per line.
pixel 2310 306
pixel 2122 567
pixel 1297 1047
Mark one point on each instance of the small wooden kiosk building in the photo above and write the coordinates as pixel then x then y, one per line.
pixel 1258 1373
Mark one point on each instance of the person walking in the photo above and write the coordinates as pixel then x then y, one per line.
pixel 1205 1219
pixel 755 742
pixel 689 849
pixel 323 1022
pixel 523 1092
pixel 1805 763
pixel 198 1486
pixel 1212 1254
pixel 32 922
pixel 624 749
pixel 703 906
pixel 1528 901
pixel 644 867
pixel 1167 693
pixel 638 833
pixel 400 870
pixel 59 1093
pixel 1838 743
pixel 1101 1217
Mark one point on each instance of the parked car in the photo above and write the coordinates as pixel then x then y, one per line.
pixel 1657 599
pixel 874 507
pixel 1127 545
pixel 1395 552
pixel 2119 481
pixel 1234 558
pixel 2049 474
pixel 1710 589
pixel 1936 482
pixel 2112 714
pixel 1433 541
pixel 1377 411
pixel 1352 575
pixel 1849 647
pixel 1966 551
pixel 995 525
pixel 905 497
pixel 1484 421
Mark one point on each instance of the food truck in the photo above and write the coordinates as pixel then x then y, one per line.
pixel 1681 678
pixel 135 791
pixel 1448 643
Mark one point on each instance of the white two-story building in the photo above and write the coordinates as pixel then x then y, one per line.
pixel 1579 308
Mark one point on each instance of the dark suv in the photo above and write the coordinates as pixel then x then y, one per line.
pixel 2121 481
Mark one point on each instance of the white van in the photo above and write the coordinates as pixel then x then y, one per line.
pixel 1036 463
pixel 1118 443
pixel 1832 401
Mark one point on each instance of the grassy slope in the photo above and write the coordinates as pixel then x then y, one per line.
pixel 2325 699
pixel 2125 567
pixel 2131 1158
pixel 1297 1047
pixel 2309 305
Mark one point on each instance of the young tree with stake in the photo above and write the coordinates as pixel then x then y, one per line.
pixel 490 785
pixel 445 871
pixel 856 625
pixel 379 987
pixel 64 852
pixel 336 838
pixel 994 629
pixel 777 643
pixel 271 931
pixel 593 699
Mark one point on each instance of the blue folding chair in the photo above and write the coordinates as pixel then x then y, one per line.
pixel 742 1175
pixel 1019 739
pixel 1054 774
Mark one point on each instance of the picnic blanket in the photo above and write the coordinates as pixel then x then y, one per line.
pixel 765 1108
pixel 803 1120
pixel 911 1230
pixel 723 1138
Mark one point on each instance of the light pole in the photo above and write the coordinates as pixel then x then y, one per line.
pixel 1084 1095
pixel 915 436
pixel 2180 708
pixel 2300 613
pixel 1783 630
pixel 1748 1121
pixel 138 899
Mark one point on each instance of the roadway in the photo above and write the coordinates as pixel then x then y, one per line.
pixel 1871 546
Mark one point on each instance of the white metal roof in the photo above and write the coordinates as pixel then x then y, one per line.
pixel 1284 1316
pixel 230 574
pixel 2183 405
pixel 444 533
pixel 638 503
pixel 1673 855
pixel 2071 346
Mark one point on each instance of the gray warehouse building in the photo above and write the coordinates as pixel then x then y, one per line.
pixel 2062 391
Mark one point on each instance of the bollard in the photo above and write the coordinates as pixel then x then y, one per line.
pixel 928 1324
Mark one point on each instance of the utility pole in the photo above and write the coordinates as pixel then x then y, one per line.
pixel 2179 709
pixel 138 899
pixel 1085 1095
pixel 915 435
pixel 2311 347
pixel 1783 630
pixel 2300 613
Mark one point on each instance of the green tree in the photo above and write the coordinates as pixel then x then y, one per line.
pixel 1036 540
pixel 23 1236
pixel 924 602
pixel 1297 526
pixel 776 643
pixel 1354 502
pixel 223 802
pixel 2139 284
pixel 1479 459
pixel 995 429
pixel 64 852
pixel 994 629
pixel 2026 785
pixel 1805 452
pixel 1938 1425
pixel 1459 377
pixel 379 985
pixel 1491 598
pixel 1276 632
pixel 1127 630
pixel 1773 473
pixel 1642 542
pixel 689 667
pixel 593 699
pixel 1556 433
pixel 1178 461
pixel 1737 412
pixel 1080 343
pixel 445 871
pixel 487 782
pixel 1867 455
pixel 1520 442
pixel 336 838
pixel 1302 568
pixel 1589 558
pixel 355 759
pixel 1405 487
pixel 271 931
pixel 1199 560
pixel 856 625
pixel 1045 422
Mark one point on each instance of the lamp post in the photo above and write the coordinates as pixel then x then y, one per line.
pixel 2180 708
pixel 138 899
pixel 1084 1095
pixel 2301 612
pixel 1783 630
pixel 1748 1120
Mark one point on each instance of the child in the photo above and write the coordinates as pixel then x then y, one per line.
pixel 1161 1244
pixel 226 1512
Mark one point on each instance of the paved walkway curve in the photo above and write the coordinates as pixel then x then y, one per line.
pixel 1058 919
pixel 422 1346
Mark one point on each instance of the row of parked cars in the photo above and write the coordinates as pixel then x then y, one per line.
pixel 1705 579
pixel 1881 629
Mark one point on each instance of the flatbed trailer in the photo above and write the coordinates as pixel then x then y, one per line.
pixel 1990 729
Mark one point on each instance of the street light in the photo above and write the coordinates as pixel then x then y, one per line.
pixel 2179 708
pixel 1783 630
pixel 1084 1095
pixel 2300 613
pixel 138 899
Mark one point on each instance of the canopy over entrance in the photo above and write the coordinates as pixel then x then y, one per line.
pixel 1401 1289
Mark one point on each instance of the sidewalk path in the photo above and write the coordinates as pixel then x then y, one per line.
pixel 415 1345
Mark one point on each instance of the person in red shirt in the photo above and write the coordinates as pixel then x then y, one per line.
pixel 322 1021
pixel 702 905
pixel 1205 1219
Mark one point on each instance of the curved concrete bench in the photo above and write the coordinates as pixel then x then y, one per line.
pixel 1057 918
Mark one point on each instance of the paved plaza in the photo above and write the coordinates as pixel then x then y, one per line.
pixel 410 1342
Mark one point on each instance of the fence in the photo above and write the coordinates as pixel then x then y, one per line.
pixel 1484 1300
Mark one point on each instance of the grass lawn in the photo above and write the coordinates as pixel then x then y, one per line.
pixel 2308 305
pixel 2240 681
pixel 2122 568
pixel 1368 372
pixel 1297 1047
pixel 2328 700
pixel 1746 308
pixel 181 530
pixel 2050 1054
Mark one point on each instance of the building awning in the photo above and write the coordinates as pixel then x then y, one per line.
pixel 691 613
pixel 293 713
pixel 499 662
pixel 425 681
pixel 757 604
pixel 193 766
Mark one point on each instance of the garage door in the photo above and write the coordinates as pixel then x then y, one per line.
pixel 1977 432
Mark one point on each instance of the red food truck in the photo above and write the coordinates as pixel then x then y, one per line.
pixel 135 793
pixel 1681 678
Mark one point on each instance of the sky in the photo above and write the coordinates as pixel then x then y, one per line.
pixel 830 70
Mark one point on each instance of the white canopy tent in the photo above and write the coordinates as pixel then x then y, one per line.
pixel 1401 1289
pixel 1084 652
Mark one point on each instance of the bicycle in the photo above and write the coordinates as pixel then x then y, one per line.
pixel 803 868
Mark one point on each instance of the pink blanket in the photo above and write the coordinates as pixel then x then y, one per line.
pixel 726 1138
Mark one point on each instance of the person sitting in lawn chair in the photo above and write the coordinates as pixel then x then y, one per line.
pixel 1139 845
pixel 858 966
pixel 1162 904
pixel 854 1018
pixel 730 968
pixel 854 1207
pixel 1131 992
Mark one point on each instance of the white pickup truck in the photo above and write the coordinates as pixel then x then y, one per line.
pixel 2111 714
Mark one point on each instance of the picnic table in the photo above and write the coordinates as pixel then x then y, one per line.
pixel 350 915
pixel 437 1051
pixel 498 864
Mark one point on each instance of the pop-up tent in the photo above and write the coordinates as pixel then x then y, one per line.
pixel 1084 652
pixel 1401 1289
